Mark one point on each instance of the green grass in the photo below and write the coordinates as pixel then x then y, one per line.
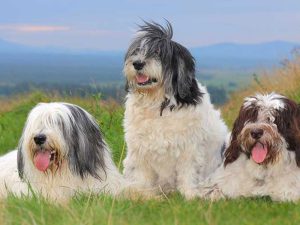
pixel 172 209
pixel 106 210
pixel 109 115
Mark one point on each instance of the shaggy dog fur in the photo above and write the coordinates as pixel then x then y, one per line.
pixel 263 156
pixel 173 133
pixel 61 153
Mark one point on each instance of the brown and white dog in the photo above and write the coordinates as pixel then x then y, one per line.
pixel 263 156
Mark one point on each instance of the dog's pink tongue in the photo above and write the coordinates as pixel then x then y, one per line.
pixel 259 153
pixel 42 160
pixel 141 78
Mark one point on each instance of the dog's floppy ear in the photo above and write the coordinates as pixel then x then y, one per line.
pixel 297 139
pixel 20 160
pixel 288 123
pixel 234 149
pixel 87 148
pixel 184 83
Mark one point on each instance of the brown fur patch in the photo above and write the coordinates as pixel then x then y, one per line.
pixel 248 114
pixel 287 121
pixel 288 124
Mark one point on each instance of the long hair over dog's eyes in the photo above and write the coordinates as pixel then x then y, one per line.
pixel 136 51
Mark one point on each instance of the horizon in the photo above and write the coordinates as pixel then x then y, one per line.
pixel 91 50
pixel 96 25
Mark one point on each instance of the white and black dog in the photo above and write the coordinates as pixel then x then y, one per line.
pixel 173 133
pixel 61 153
pixel 263 155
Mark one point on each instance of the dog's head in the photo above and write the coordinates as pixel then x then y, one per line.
pixel 266 126
pixel 154 61
pixel 59 134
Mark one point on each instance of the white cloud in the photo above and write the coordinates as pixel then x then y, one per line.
pixel 32 28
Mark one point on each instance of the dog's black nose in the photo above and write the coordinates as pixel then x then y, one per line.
pixel 257 133
pixel 40 139
pixel 138 65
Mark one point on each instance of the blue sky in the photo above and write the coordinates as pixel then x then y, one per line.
pixel 110 24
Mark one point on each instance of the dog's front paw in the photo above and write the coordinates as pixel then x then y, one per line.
pixel 191 194
pixel 215 194
pixel 212 193
pixel 140 193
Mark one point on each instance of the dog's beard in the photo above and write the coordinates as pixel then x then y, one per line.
pixel 264 150
pixel 47 157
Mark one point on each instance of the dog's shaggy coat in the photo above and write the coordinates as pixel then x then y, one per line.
pixel 263 155
pixel 173 133
pixel 61 153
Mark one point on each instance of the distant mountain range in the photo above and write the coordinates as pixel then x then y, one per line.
pixel 222 67
pixel 244 55
pixel 20 63
pixel 267 50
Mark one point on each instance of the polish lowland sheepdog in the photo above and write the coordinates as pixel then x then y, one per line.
pixel 61 153
pixel 263 155
pixel 173 133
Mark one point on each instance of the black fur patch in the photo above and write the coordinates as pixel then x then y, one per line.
pixel 177 62
pixel 86 146
pixel 20 160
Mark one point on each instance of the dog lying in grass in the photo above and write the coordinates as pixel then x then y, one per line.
pixel 61 153
pixel 263 155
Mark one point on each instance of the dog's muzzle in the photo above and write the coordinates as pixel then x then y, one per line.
pixel 143 80
pixel 43 156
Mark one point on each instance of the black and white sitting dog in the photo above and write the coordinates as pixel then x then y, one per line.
pixel 263 156
pixel 173 133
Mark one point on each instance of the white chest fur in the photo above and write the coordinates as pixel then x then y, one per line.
pixel 178 147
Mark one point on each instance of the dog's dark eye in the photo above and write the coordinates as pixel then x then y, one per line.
pixel 136 51
pixel 156 53
pixel 270 119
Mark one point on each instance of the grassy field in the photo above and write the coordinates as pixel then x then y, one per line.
pixel 171 210
pixel 285 80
